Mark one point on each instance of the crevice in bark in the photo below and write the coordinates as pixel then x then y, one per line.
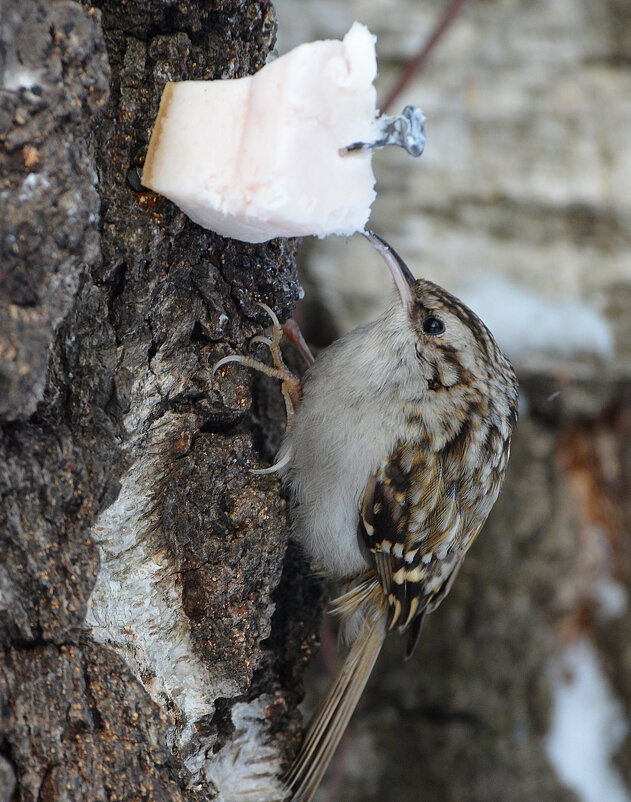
pixel 126 445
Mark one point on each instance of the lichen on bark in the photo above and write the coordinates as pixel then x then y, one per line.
pixel 142 562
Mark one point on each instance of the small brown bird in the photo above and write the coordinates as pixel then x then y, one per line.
pixel 393 460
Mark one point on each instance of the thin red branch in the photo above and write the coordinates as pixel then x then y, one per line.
pixel 451 13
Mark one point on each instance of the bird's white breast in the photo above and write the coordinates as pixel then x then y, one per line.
pixel 347 424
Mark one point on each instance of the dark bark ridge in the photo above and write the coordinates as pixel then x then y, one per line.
pixel 140 560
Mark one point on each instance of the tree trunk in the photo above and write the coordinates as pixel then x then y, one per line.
pixel 141 561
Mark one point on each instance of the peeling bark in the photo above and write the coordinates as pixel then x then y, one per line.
pixel 141 562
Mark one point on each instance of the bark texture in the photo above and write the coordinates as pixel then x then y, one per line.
pixel 140 560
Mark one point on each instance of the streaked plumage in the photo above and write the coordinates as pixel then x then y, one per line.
pixel 394 459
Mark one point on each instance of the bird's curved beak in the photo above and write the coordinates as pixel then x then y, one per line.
pixel 401 273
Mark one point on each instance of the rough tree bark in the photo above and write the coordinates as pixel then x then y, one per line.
pixel 141 657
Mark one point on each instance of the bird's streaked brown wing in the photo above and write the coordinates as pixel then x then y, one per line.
pixel 411 526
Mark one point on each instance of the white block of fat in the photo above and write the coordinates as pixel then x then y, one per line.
pixel 259 157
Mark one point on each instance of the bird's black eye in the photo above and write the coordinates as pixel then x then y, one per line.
pixel 433 325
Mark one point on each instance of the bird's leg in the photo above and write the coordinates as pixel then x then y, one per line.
pixel 290 384
pixel 292 332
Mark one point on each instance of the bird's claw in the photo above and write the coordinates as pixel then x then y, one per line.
pixel 290 384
